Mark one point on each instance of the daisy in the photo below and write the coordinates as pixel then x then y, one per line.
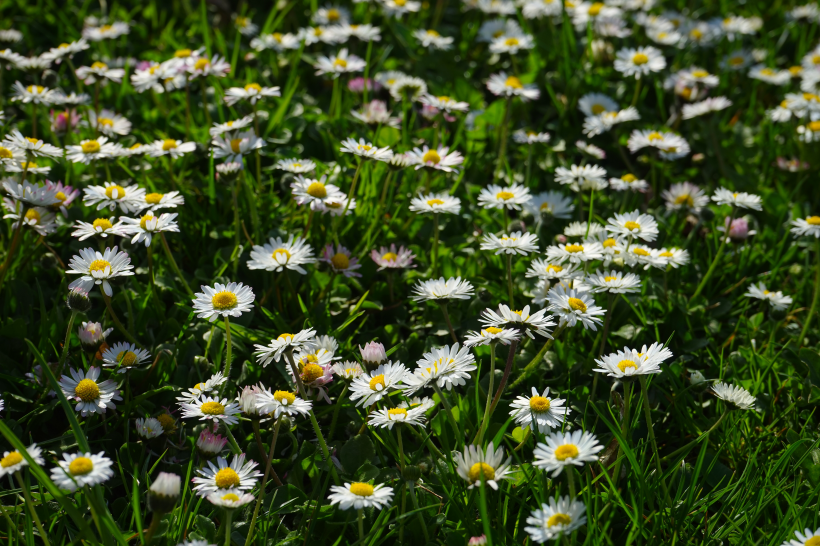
pixel 572 306
pixel 712 104
pixel 223 300
pixel 562 449
pixel 551 203
pixel 663 140
pixel 475 465
pixel 298 166
pixel 544 269
pixel 433 40
pixel 580 229
pixel 590 149
pixel 282 402
pixel 39 219
pixel 330 15
pixel 639 62
pixel 79 470
pixel 628 181
pixel 491 334
pixel 627 364
pixel 614 282
pixel 530 137
pixel 365 33
pixel 35 94
pixel 633 224
pixel 101 226
pixel 109 123
pixel 156 201
pixel 230 500
pixel 436 203
pixel 596 125
pixel 206 387
pixel 743 200
pixel 389 78
pixel 340 261
pixel 809 132
pixel 348 370
pixel 106 32
pixel 510 86
pixel 737 60
pixel 547 413
pixel 776 299
pixel 806 538
pixel 537 323
pixel 365 150
pixel 245 26
pixel 208 407
pixel 235 145
pixel 124 356
pixel 392 258
pixel 441 159
pixel 375 112
pixel 575 253
pixel 370 387
pixel 510 197
pixel 492 29
pixel 408 88
pixel 278 255
pixel 304 340
pixel 512 44
pixel 595 104
pixel 208 444
pixel 642 255
pixel 360 495
pixel 148 428
pixel 90 150
pixel 30 146
pixel 338 64
pixel 28 167
pixel 91 396
pixel 673 256
pixel 556 519
pixel 252 92
pixel 204 67
pixel 312 192
pixel 734 396
pixel 234 125
pixel 444 103
pixel 685 195
pixel 514 243
pixel 99 72
pixel 583 178
pixel 99 268
pixel 12 461
pixel 386 418
pixel 444 367
pixel 806 227
pixel 170 147
pixel 535 9
pixel 440 290
pixel 276 41
pixel 223 477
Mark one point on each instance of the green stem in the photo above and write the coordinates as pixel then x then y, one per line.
pixel 401 448
pixel 624 429
pixel 510 281
pixel 447 409
pixel 506 376
pixel 648 416
pixel 591 207
pixel 447 320
pixel 697 440
pixel 268 470
pixel 637 92
pixel 116 320
pixel 335 418
pixel 816 293
pixel 350 196
pixel 502 144
pixel 361 525
pixel 15 243
pixel 571 481
pixel 435 244
pixel 480 436
pixel 227 369
pixel 64 354
pixel 723 238
pixel 411 487
pixel 228 517
pixel 232 441
pixel 528 369
pixel 156 518
pixel 31 508
pixel 174 265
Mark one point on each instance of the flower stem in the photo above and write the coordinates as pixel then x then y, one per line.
pixel 335 418
pixel 816 293
pixel 435 244
pixel 528 369
pixel 411 487
pixel 174 265
pixel 401 448
pixel 447 409
pixel 361 525
pixel 227 369
pixel 509 281
pixel 447 320
pixel 571 481
pixel 637 92
pixel 268 470
pixel 480 436
pixel 502 141
pixel 151 279
pixel 591 208
pixel 712 267
pixel 156 519
pixel 624 428
pixel 15 243
pixel 116 320
pixel 31 508
pixel 350 196
pixel 506 376
pixel 228 517
pixel 64 354
pixel 648 416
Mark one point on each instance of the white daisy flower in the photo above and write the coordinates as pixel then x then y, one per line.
pixel 734 395
pixel 536 323
pixel 144 227
pixel 207 408
pixel 685 195
pixel 742 199
pixel 595 104
pixel 282 402
pixel 298 166
pixel 639 62
pixel 776 299
pixel 365 149
pixel 90 150
pixel 809 132
pixel 170 147
pixel 571 306
pixel 91 396
pixel 375 112
pixel 627 363
pixel 583 178
pixel 245 26
pixel 737 60
pixel 156 201
pixel 575 253
pixel 35 94
pixel 39 219
pixel 806 538
pixel 510 197
pixel 341 63
pixel 276 41
pixel 535 9
pixel 230 500
pixel 236 145
pixel 393 258
pixel 476 465
pixel 78 470
pixel 204 67
pixel 127 198
pixel 31 146
pixel 206 387
pixel 510 86
pixel 545 412
pixel 13 461
pixel 441 159
pixel 446 366
pixel 491 334
pixel 435 203
pixel 596 125
pixel 234 125
pixel 124 356
pixel 330 15
pixel 670 144
pixel 387 417
pixel 444 103
pixel 581 229
pixel 614 282
pixel 514 243
pixel 433 40
pixel 629 182
pixel 106 32
pixel 633 224
pixel 673 256
pixel 109 123
pixel 278 255
pixel 530 137
pixel 348 370
pixel 806 227
pixel 99 268
pixel 312 192
pixel 370 387
pixel 99 72
pixel 512 44
pixel 360 495
pixel 304 339
pixel 223 477
pixel 441 290
pixel 101 226
pixel 492 29
pixel 642 255
pixel 545 269
pixel 712 104
pixel 148 428
pixel 553 203
pixel 223 300
pixel 252 92
pixel 562 449
pixel 556 519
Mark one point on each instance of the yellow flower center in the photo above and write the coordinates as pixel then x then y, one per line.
pixel 629 178
pixel 390 257
pixel 736 61
pixel 182 53
pixel 814 126
pixel 167 422
pixel 813 541
pixel 201 64
pixel 577 305
pixel 340 62
pixel 554 268
pixel 126 358
pixel 227 478
pixel 481 468
pixel 312 372
pixel 287 257
pixel 145 219
pixel 377 383
pixel 624 364
pixel 63 46
pixel 654 135
pixel 99 265
pixel 32 140
pixel 696 34
pixel 700 74
pixel 513 82
pixel 813 220
pixel 539 404
pixel 598 109
pixel 235 145
pixel 392 413
pixel 433 33
pixel 253 86
pixel 340 261
pixel 815 59
pixel 493 330
pixel 81 466
pixel 11 459
pixel 35 89
pixel 566 451
pixel 224 300
pixel 595 8
pixel 610 278
pixel 767 72
pixel 33 216
pixel 333 14
pixel 666 254
pixel 630 225
pixel 136 146
pixel 504 195
pixel 108 122
pixel 99 66
pixel 317 190
pixel 431 156
pixel 685 199
pixel 806 96
pixel 102 223
pixel 432 202
pixel 558 519
pixel 639 59
pixel 609 243
pixel 285 337
pixel 400 3
pixel 511 42
pixel 90 147
pixel 212 408
pixel 153 198
pixel 87 390
pixel 362 489
pixel 5 153
pixel 168 144
pixel 572 249
pixel 284 397
pixel 795 70
pixel 364 147
pixel 230 497
pixel 640 252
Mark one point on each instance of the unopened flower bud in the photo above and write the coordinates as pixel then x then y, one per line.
pixel 78 300
pixel 92 336
pixel 164 493
pixel 373 355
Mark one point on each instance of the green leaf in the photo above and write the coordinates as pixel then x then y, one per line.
pixel 206 527
pixel 356 452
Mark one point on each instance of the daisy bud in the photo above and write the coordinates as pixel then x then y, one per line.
pixel 796 270
pixel 248 401
pixel 164 493
pixel 209 445
pixel 285 422
pixel 78 300
pixel 373 354
pixel 477 541
pixel 411 473
pixel 739 229
pixel 697 380
pixel 92 336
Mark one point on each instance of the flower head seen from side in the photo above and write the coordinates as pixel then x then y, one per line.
pixel 99 268
pixel 530 324
pixel 91 395
pixel 223 477
pixel 810 226
pixel 338 64
pixel 252 93
pixel 296 166
pixel 544 269
pixel 628 182
pixel 439 159
pixel 34 195
pixel 741 199
pixel 388 417
pixel 431 39
pixel 530 137
pixel 504 85
pixel 348 370
pixel 148 428
pixel 555 519
pixel 476 464
pixel 393 258
pixel 575 253
pixel 734 396
pixel 550 204
pixel 436 203
pixel 510 197
pixel 776 299
pixel 685 196
pixel 514 243
pixel 234 146
pixel 444 103
pixel 446 367
pixel 112 195
pixel 340 261
pixel 207 407
pixel 78 470
pixel 29 145
pixel 170 147
pixel 370 387
pixel 277 403
pixel 566 448
pixel 614 282
pixel 39 219
pixel 582 178
pixel 124 356
pixel 302 340
pixel 99 72
pixel 144 227
pixel 13 461
pixel 572 306
pixel 360 495
pixel 806 538
pixel 230 500
pixel 36 94
pixel 539 412
pixel 366 150
pixel 209 445
pixel 626 364
pixel 223 300
pixel 277 255
pixel 208 386
pixel 633 224
pixel 491 334
pixel 442 290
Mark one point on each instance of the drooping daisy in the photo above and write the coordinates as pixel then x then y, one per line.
pixel 148 224
pixel 582 178
pixel 441 290
pixel 252 92
pixel 556 519
pixel 370 387
pixel 124 356
pixel 776 299
pixel 211 408
pixel 13 461
pixel 575 253
pixel 514 243
pixel 685 195
pixel 170 147
pixel 734 396
pixel 440 159
pixel 571 306
pixel 491 334
pixel 99 268
pixel 510 86
pixel 223 300
pixel 277 403
pixel 297 166
pixel 476 465
pixel 91 396
pixel 127 198
pixel 222 477
pixel 304 339
pixel 365 149
pixel 436 203
pixel 545 412
pixel 509 197
pixel 446 367
pixel 393 258
pixel 741 199
pixel 551 203
pixel 526 323
pixel 387 417
pixel 340 261
pixel 360 495
pixel 78 470
pixel 562 449
pixel 278 255
pixel 338 64
pixel 627 363
pixel 235 145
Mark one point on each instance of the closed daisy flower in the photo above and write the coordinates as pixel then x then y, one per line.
pixel 582 178
pixel 806 227
pixel 298 166
pixel 148 224
pixel 614 282
pixel 436 203
pixel 278 255
pixel 536 323
pixel 441 290
pixel 252 92
pixel 207 408
pixel 734 396
pixel 445 367
pixel 13 461
pixel 510 197
pixel 170 147
pixel 549 203
pixel 639 62
pixel 539 412
pixel 575 253
pixel 626 364
pixel 338 64
pixel 556 519
pixel 776 299
pixel 741 199
pixel 102 227
pixel 112 195
pixel 365 149
pixel 304 340
pixel 99 268
pixel 91 395
pixel 628 182
pixel 223 300
pixel 370 387
pixel 277 403
pixel 633 224
pixel 124 356
pixel 393 258
pixel 514 243
pixel 223 477
pixel 340 261
pixel 78 470
pixel 685 195
pixel 571 306
pixel 491 334
pixel 562 449
pixel 387 417
pixel 440 159
pixel 510 86
pixel 360 495
pixel 476 465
